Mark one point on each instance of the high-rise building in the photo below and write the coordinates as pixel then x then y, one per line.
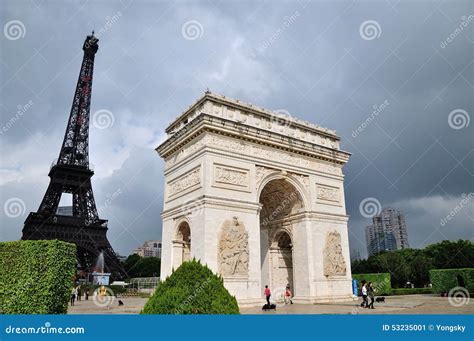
pixel 388 232
pixel 150 248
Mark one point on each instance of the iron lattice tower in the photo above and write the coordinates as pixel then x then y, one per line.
pixel 72 174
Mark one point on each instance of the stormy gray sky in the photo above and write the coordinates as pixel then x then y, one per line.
pixel 328 62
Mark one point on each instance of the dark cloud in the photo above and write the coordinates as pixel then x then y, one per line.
pixel 308 58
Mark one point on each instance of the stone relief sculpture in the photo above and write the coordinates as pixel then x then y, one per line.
pixel 187 180
pixel 231 176
pixel 260 173
pixel 304 179
pixel 328 193
pixel 233 256
pixel 334 263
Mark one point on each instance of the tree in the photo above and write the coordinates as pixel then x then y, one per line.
pixel 146 267
pixel 413 265
pixel 130 263
pixel 192 289
pixel 451 254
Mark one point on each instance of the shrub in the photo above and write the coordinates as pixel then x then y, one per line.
pixel 380 281
pixel 36 276
pixel 192 289
pixel 444 280
pixel 411 291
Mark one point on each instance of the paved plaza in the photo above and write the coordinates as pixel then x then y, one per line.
pixel 408 304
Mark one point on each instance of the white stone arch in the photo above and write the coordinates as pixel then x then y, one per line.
pixel 181 242
pixel 177 225
pixel 277 262
pixel 277 234
pixel 282 262
pixel 293 180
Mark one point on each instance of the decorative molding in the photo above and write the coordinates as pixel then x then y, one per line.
pixel 186 151
pixel 334 263
pixel 250 149
pixel 260 173
pixel 328 194
pixel 303 179
pixel 233 252
pixel 231 177
pixel 228 144
pixel 186 182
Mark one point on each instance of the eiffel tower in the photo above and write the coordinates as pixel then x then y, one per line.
pixel 71 174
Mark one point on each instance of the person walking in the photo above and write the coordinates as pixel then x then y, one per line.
pixel 268 294
pixel 288 295
pixel 78 292
pixel 73 297
pixel 371 294
pixel 365 302
pixel 86 293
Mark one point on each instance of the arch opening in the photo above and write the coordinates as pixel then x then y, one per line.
pixel 280 202
pixel 182 244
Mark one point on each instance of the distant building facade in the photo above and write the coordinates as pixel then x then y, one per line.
pixel 388 232
pixel 150 248
pixel 64 210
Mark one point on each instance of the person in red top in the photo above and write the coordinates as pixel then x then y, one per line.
pixel 288 295
pixel 267 294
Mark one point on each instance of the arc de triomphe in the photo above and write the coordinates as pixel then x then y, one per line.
pixel 257 197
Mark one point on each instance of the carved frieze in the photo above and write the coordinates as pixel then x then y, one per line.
pixel 334 263
pixel 233 252
pixel 186 151
pixel 328 194
pixel 231 177
pixel 247 148
pixel 184 182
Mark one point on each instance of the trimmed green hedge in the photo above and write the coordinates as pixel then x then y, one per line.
pixel 381 282
pixel 192 289
pixel 411 291
pixel 444 280
pixel 36 276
